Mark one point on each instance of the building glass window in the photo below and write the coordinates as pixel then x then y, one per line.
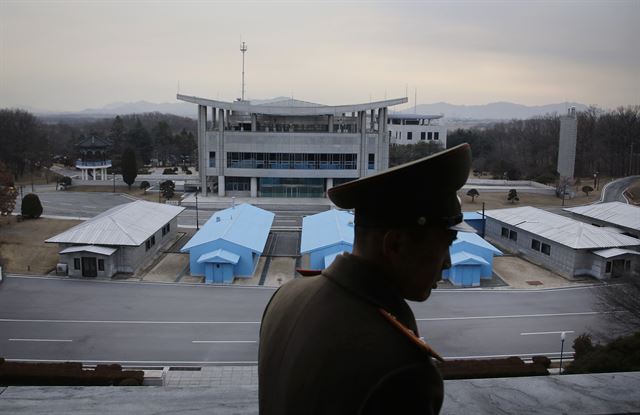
pixel 627 265
pixel 607 268
pixel 292 187
pixel 212 159
pixel 546 249
pixel 153 240
pixel 505 232
pixel 513 235
pixel 237 183
pixel 372 161
pixel 423 135
pixel 147 245
pixel 409 135
pixel 293 161
pixel 101 265
pixel 535 244
pixel 76 263
pixel 436 135
pixel 429 135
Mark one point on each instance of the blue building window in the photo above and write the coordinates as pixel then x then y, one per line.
pixel 212 159
pixel 372 161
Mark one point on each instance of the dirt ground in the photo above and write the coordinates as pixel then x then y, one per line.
pixel 519 273
pixel 281 270
pixel 22 247
pixel 169 269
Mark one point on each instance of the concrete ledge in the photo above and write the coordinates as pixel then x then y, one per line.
pixel 606 393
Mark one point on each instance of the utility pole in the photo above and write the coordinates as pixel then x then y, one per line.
pixel 243 49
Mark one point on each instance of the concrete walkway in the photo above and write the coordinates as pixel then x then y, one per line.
pixel 613 393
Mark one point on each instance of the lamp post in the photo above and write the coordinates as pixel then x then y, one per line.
pixel 562 336
pixel 197 220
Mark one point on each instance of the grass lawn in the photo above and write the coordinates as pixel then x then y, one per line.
pixel 22 247
pixel 498 200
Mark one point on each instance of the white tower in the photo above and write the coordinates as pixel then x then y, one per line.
pixel 567 145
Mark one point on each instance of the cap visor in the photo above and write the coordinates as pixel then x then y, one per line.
pixel 463 227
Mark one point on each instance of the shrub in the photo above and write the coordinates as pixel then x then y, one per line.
pixel 167 188
pixel 621 355
pixel 31 206
pixel 144 185
pixel 582 345
pixel 168 171
pixel 65 181
pixel 587 190
pixel 542 360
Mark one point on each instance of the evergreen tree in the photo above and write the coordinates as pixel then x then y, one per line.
pixel 31 206
pixel 140 140
pixel 129 166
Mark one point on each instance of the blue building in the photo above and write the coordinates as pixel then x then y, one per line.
pixel 471 260
pixel 474 219
pixel 325 236
pixel 230 244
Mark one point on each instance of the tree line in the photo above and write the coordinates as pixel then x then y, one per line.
pixel 28 142
pixel 608 143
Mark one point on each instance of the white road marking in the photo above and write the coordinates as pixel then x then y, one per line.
pixel 222 341
pixel 585 313
pixel 41 340
pixel 547 332
pixel 17 320
pixel 497 356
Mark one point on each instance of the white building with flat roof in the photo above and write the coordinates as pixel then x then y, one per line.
pixel 288 148
pixel 416 128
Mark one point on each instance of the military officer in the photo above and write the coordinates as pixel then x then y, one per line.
pixel 345 341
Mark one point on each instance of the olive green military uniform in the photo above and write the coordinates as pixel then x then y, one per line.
pixel 327 349
pixel 345 341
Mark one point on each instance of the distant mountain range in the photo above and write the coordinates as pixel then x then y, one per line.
pixel 492 111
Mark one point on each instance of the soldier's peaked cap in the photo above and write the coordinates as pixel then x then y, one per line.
pixel 413 194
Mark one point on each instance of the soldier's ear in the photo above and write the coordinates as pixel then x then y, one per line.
pixel 391 244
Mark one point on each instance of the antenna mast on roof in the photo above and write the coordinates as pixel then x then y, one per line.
pixel 243 49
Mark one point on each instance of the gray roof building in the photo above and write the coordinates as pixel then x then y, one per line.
pixel 118 240
pixel 614 214
pixel 561 244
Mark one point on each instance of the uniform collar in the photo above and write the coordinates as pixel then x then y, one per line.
pixel 364 280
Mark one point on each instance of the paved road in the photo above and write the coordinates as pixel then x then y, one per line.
pixel 146 323
pixel 89 204
pixel 613 192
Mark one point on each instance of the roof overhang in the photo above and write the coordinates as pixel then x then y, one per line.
pixel 101 250
pixel 274 109
pixel 614 252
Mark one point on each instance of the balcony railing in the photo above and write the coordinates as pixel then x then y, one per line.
pixel 93 163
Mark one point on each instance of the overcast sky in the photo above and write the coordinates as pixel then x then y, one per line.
pixel 71 55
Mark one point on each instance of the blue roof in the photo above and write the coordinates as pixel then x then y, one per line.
pixel 243 225
pixel 471 216
pixel 328 259
pixel 325 229
pixel 219 256
pixel 465 258
pixel 476 239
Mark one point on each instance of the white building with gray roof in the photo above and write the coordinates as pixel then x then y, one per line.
pixel 615 215
pixel 563 245
pixel 118 240
pixel 288 148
